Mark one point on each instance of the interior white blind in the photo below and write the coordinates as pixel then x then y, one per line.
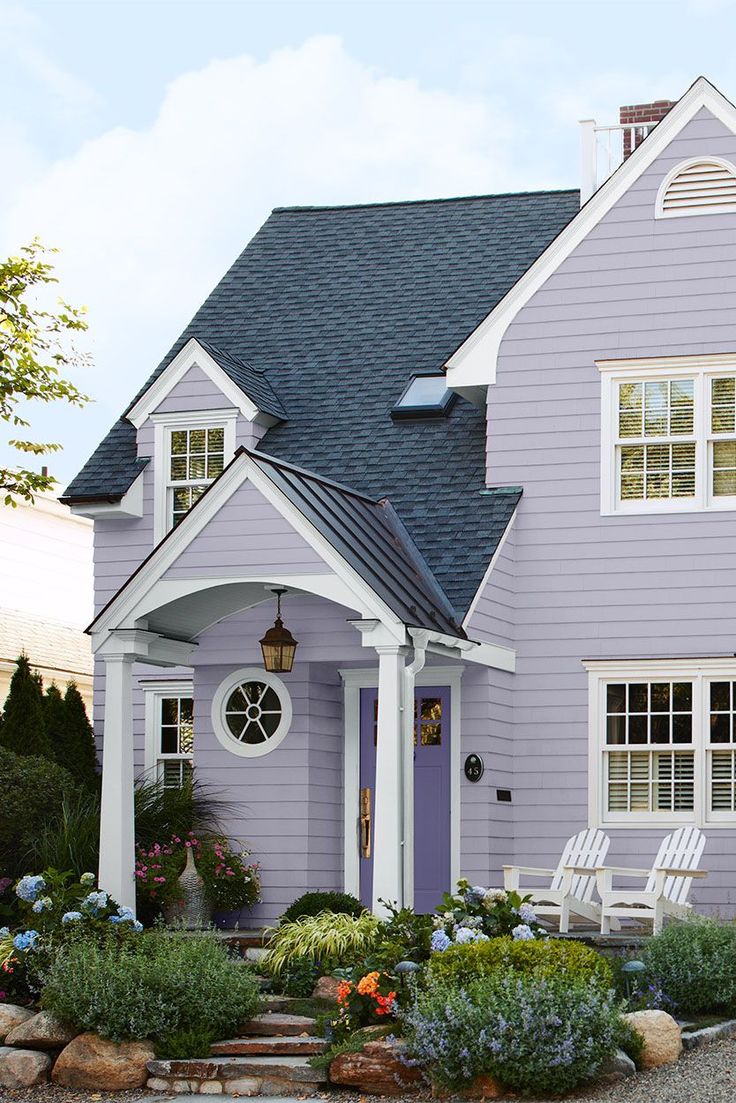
pixel 705 186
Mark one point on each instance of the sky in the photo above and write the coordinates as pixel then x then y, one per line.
pixel 148 141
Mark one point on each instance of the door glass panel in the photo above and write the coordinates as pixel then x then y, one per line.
pixel 429 719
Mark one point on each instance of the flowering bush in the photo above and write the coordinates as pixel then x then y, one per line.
pixel 371 999
pixel 230 882
pixel 475 914
pixel 694 963
pixel 530 1033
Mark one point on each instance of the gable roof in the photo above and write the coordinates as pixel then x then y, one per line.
pixel 338 307
pixel 472 366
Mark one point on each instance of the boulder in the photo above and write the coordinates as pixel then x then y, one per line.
pixel 661 1034
pixel 376 1069
pixel 482 1087
pixel 42 1031
pixel 11 1016
pixel 326 988
pixel 617 1067
pixel 23 1068
pixel 91 1063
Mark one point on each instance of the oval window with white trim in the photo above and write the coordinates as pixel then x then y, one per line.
pixel 251 712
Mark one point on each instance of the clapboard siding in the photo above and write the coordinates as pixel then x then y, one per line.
pixel 588 586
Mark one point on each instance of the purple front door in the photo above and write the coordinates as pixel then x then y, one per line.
pixel 431 792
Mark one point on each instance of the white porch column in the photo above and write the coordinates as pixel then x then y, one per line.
pixel 388 805
pixel 117 818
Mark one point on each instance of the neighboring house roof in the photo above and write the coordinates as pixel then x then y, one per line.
pixel 339 306
pixel 50 646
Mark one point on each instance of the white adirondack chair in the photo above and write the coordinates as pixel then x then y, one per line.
pixel 667 887
pixel 570 891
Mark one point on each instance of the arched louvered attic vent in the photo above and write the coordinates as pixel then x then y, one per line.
pixel 703 185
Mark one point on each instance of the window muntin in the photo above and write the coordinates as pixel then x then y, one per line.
pixel 652 462
pixel 251 712
pixel 196 457
pixel 663 748
pixel 722 437
pixel 174 740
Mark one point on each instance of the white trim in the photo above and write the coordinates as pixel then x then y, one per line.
pixel 192 355
pixel 223 691
pixel 700 671
pixel 355 679
pixel 687 212
pixel 154 692
pixel 702 369
pixel 473 364
pixel 486 577
pixel 164 425
pixel 130 505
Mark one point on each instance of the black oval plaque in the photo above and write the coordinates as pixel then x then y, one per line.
pixel 474 767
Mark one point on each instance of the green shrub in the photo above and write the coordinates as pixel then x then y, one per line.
pixel 32 792
pixel 159 986
pixel 630 1041
pixel 24 717
pixel 549 957
pixel 312 903
pixel 297 978
pixel 328 939
pixel 694 964
pixel 532 1033
pixel 404 936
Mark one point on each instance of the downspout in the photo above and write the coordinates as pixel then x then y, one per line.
pixel 420 640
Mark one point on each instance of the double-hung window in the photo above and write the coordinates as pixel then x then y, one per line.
pixel 668 435
pixel 170 733
pixel 191 451
pixel 662 742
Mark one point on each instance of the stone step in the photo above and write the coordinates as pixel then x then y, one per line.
pixel 276 1023
pixel 275 1003
pixel 249 1076
pixel 263 1045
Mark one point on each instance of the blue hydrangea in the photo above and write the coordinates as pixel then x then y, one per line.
pixel 70 917
pixel 440 941
pixel 474 895
pixel 95 902
pixel 30 887
pixel 126 913
pixel 4 932
pixel 522 933
pixel 26 940
pixel 527 914
pixel 43 904
pixel 137 926
pixel 87 879
pixel 464 935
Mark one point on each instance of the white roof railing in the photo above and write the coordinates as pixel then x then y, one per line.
pixel 603 149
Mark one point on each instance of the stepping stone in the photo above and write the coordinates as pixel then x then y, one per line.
pixel 296 1070
pixel 274 1022
pixel 275 1003
pixel 263 1045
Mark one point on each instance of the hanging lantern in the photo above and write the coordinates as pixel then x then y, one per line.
pixel 278 645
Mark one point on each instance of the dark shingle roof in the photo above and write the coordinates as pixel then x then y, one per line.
pixel 338 306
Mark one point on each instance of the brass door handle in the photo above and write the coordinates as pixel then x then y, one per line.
pixel 365 823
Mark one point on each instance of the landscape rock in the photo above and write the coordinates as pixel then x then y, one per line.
pixel 482 1087
pixel 661 1034
pixel 23 1068
pixel 95 1064
pixel 42 1031
pixel 617 1067
pixel 211 1087
pixel 245 1085
pixel 326 988
pixel 376 1069
pixel 11 1016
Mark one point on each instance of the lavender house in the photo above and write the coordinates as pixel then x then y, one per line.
pixel 487 447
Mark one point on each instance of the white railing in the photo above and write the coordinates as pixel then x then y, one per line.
pixel 603 149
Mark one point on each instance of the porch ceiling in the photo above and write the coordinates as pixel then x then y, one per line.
pixel 187 616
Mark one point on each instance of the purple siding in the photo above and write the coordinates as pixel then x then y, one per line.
pixel 589 586
pixel 194 391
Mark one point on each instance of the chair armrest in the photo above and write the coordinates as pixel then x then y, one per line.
pixel 584 871
pixel 620 871
pixel 672 871
pixel 531 871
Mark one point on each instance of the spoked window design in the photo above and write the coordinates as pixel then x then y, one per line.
pixel 253 712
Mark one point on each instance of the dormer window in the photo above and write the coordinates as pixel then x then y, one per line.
pixel 190 451
pixel 425 396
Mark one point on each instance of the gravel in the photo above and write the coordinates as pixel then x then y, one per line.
pixel 705 1075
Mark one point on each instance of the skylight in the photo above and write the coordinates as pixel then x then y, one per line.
pixel 425 396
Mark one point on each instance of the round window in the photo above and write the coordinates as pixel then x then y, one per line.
pixel 251 712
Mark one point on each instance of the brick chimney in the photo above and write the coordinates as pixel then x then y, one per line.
pixel 641 118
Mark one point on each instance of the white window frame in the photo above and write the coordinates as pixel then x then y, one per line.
pixel 702 369
pixel 154 693
pixel 701 672
pixel 219 701
pixel 164 426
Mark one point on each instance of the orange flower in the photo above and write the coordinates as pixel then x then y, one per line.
pixel 368 986
pixel 344 989
pixel 385 1004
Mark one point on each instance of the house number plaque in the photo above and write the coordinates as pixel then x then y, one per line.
pixel 474 767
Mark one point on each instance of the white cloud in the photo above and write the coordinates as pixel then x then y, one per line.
pixel 148 220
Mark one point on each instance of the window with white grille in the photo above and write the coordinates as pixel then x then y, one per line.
pixel 668 435
pixel 170 733
pixel 663 742
pixel 699 186
pixel 196 458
